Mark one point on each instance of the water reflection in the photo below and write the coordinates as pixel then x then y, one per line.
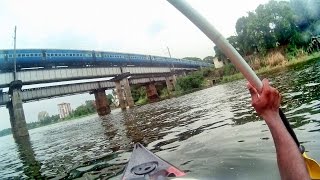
pixel 31 167
pixel 302 91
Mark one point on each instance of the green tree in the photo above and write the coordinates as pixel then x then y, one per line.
pixel 208 59
pixel 110 98
pixel 306 13
pixel 269 25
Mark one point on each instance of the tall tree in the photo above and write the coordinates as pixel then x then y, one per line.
pixel 269 25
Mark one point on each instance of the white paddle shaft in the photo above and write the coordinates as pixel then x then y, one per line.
pixel 211 32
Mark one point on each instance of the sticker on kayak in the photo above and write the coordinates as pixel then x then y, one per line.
pixel 143 164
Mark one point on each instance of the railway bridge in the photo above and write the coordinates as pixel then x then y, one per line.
pixel 54 66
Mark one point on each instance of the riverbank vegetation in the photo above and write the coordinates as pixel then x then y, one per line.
pixel 276 35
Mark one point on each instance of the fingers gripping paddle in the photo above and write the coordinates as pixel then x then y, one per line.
pixel 197 19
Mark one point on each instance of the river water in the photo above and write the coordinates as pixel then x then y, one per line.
pixel 210 134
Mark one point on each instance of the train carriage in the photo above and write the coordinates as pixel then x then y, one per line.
pixel 55 58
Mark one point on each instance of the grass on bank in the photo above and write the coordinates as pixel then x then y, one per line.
pixel 273 63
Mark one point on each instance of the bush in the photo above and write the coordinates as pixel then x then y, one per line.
pixel 138 93
pixel 229 69
pixel 191 81
pixel 206 72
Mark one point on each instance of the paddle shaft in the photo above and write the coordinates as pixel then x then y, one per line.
pixel 214 35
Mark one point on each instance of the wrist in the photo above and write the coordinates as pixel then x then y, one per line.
pixel 272 118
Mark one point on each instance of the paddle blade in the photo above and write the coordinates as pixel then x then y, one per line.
pixel 312 166
pixel 143 163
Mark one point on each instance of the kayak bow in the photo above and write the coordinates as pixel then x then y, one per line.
pixel 143 164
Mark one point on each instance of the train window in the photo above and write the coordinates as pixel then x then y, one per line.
pixel 27 55
pixel 19 55
pixel 80 55
pixel 31 55
pixel 22 55
pixel 10 56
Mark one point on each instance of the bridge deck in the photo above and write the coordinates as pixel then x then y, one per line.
pixel 69 89
pixel 66 74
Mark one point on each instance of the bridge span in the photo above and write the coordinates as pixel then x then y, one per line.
pixel 68 74
pixel 36 94
pixel 38 66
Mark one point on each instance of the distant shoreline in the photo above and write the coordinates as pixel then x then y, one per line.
pixel 7 131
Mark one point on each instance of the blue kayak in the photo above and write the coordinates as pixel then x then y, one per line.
pixel 143 164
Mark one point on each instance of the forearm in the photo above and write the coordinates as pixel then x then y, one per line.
pixel 290 161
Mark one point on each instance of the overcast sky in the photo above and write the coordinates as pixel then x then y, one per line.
pixel 136 26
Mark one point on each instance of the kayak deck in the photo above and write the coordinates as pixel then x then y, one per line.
pixel 143 164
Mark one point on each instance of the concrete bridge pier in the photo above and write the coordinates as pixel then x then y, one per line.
pixel 152 93
pixel 120 94
pixel 102 104
pixel 170 82
pixel 128 94
pixel 17 118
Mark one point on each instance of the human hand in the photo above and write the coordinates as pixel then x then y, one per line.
pixel 267 102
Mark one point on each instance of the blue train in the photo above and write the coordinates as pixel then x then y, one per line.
pixel 55 58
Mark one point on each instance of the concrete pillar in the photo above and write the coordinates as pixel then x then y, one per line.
pixel 174 80
pixel 17 118
pixel 102 104
pixel 184 73
pixel 169 83
pixel 152 93
pixel 119 93
pixel 127 90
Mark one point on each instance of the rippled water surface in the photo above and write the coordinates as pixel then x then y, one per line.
pixel 210 134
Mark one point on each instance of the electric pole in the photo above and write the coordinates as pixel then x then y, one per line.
pixel 170 57
pixel 169 51
pixel 15 54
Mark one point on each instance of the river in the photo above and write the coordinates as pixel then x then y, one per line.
pixel 210 134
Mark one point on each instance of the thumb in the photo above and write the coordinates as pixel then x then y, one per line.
pixel 253 92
